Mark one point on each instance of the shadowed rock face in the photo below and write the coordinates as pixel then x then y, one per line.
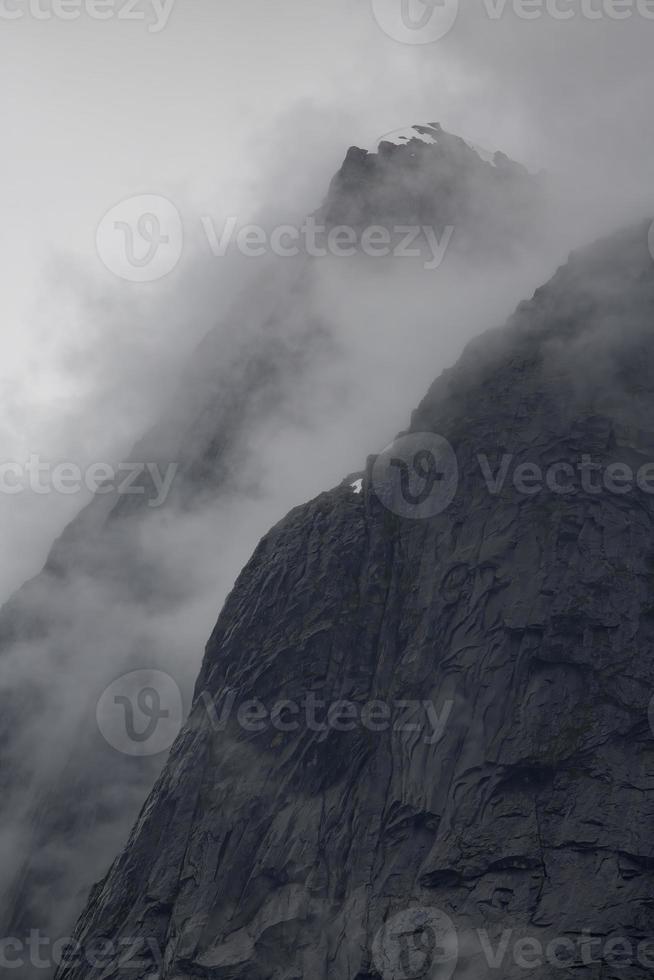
pixel 526 620
pixel 51 850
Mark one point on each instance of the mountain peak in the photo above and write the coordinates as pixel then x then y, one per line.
pixel 433 134
pixel 424 134
pixel 425 176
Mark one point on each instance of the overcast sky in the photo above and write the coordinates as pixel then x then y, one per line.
pixel 223 107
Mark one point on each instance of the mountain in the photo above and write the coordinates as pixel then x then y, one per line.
pixel 115 596
pixel 420 741
pixel 425 176
pixel 110 600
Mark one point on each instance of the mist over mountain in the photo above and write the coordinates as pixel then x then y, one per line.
pixel 479 798
pixel 283 397
pixel 254 728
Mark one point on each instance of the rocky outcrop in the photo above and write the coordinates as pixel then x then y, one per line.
pixel 94 611
pixel 448 769
pixel 426 176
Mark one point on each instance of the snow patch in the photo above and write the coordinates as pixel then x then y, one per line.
pixel 429 134
pixel 400 137
pixel 357 486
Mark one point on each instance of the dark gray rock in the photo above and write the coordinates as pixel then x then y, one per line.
pixel 525 619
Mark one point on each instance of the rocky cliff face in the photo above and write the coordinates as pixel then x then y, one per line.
pixel 104 605
pixel 448 766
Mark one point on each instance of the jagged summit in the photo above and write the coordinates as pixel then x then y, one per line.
pixel 428 176
pixel 433 134
pixel 424 134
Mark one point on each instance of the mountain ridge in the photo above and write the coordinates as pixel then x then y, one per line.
pixel 263 855
pixel 105 559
